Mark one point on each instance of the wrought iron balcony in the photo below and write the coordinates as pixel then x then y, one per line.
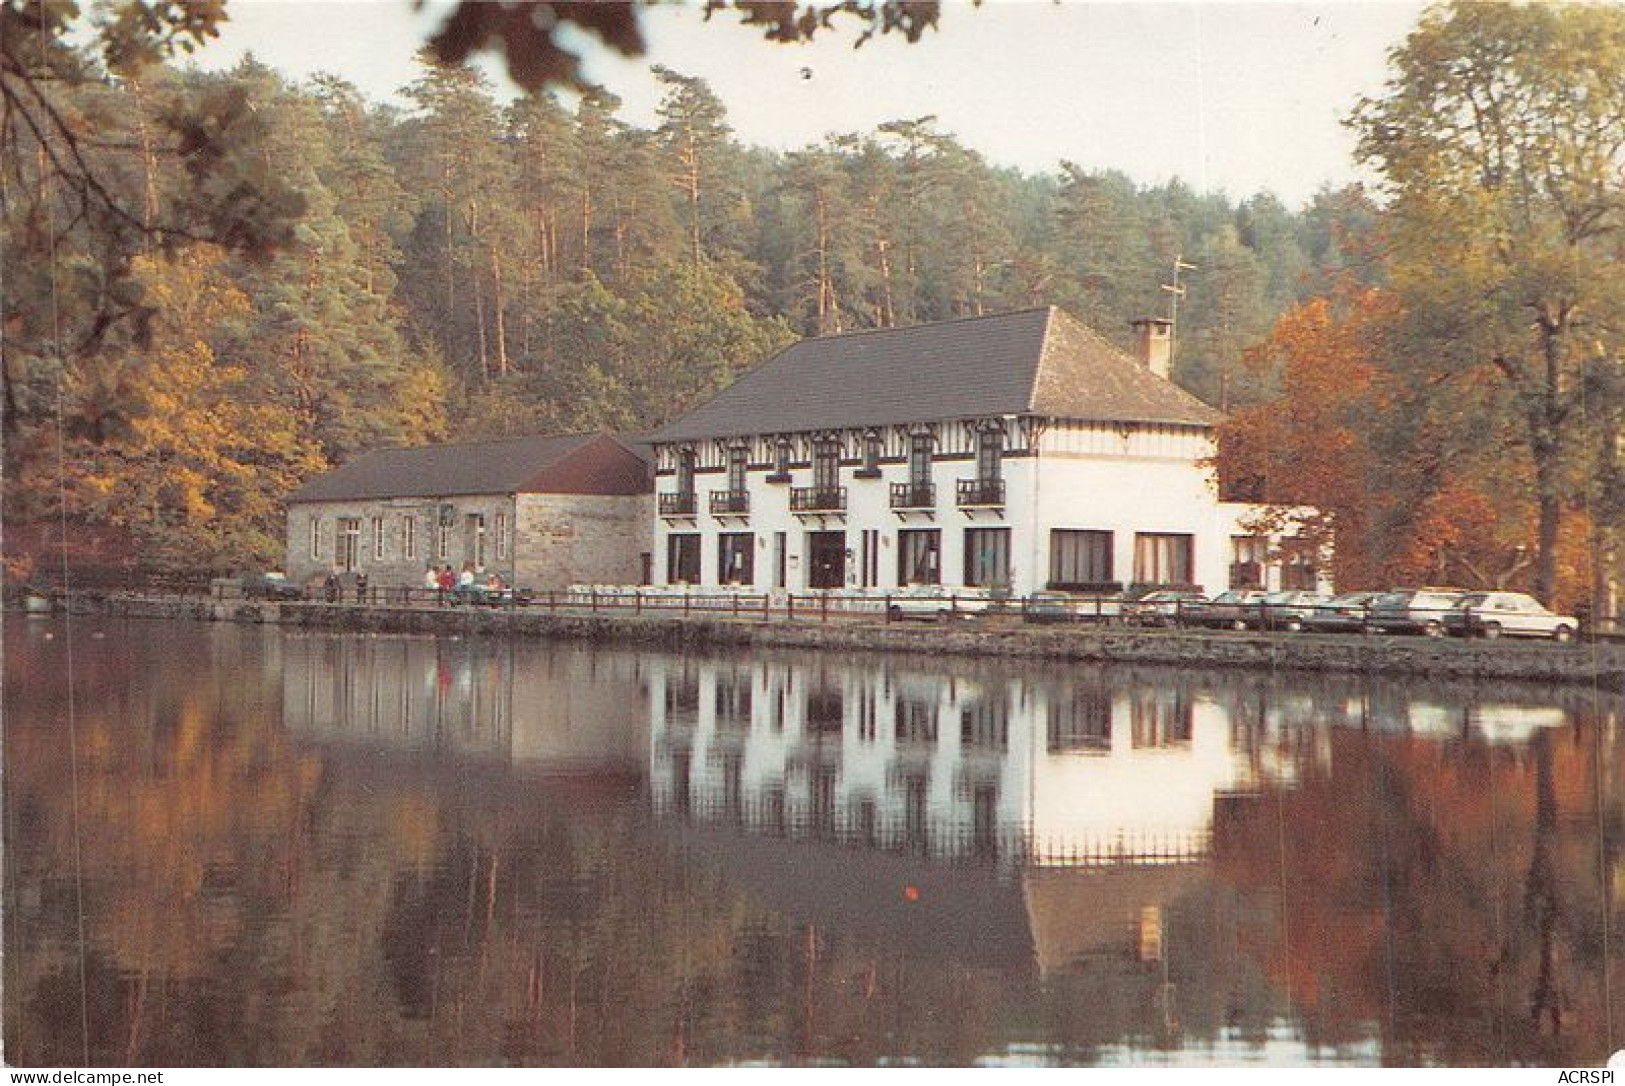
pixel 679 504
pixel 724 502
pixel 913 495
pixel 817 499
pixel 973 492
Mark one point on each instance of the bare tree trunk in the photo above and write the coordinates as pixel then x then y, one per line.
pixel 496 302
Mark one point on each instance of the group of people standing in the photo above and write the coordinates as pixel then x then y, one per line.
pixel 443 581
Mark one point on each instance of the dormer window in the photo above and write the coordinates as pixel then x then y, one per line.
pixel 827 463
pixel 874 446
pixel 990 451
pixel 919 458
pixel 781 461
pixel 685 471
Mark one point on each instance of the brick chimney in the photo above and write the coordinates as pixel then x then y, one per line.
pixel 1155 342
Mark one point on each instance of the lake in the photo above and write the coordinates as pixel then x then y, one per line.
pixel 242 845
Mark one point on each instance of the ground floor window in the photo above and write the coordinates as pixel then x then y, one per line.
pixel 1161 558
pixel 349 543
pixel 377 539
pixel 315 538
pixel 1079 559
pixel 1248 553
pixel 683 559
pixel 502 537
pixel 919 556
pixel 409 530
pixel 826 559
pixel 987 557
pixel 1299 565
pixel 735 553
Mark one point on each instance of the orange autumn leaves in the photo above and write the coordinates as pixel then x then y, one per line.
pixel 1412 478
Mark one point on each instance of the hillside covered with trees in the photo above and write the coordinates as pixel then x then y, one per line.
pixel 220 284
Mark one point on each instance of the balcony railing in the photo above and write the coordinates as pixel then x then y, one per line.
pixel 680 504
pixel 981 492
pixel 817 499
pixel 724 502
pixel 913 495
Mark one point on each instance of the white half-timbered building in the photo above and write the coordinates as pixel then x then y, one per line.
pixel 1020 452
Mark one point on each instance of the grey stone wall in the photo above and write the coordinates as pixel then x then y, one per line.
pixel 565 539
pixel 396 567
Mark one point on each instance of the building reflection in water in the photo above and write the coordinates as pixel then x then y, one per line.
pixel 1230 864
pixel 1029 770
pixel 569 710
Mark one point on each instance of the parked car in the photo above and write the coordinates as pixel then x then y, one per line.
pixel 271 585
pixel 1164 607
pixel 1235 609
pixel 1414 610
pixel 479 595
pixel 1347 613
pixel 1286 610
pixel 1508 614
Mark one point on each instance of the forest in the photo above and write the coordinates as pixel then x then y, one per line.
pixel 220 284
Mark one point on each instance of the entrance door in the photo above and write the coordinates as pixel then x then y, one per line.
pixel 826 559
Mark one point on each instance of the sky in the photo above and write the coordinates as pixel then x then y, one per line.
pixel 1232 97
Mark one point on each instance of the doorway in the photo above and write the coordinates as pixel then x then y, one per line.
pixel 826 559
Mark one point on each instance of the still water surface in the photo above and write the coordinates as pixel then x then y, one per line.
pixel 310 848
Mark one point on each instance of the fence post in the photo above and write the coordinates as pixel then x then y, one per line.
pixel 685 603
pixel 637 603
pixel 552 599
pixel 767 607
pixel 789 606
pixel 823 607
pixel 592 600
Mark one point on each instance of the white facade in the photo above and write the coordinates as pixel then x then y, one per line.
pixel 1146 491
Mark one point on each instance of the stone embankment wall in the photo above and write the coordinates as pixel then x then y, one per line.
pixel 1601 664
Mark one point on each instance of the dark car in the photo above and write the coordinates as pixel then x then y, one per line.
pixel 269 586
pixel 1348 613
pixel 1288 610
pixel 1414 610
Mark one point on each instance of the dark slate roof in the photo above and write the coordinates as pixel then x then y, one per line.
pixel 568 464
pixel 1033 362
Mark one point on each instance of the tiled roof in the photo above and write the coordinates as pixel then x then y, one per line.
pixel 1033 362
pixel 569 464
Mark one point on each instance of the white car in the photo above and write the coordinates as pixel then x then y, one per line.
pixel 1509 614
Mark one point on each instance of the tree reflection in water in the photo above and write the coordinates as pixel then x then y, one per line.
pixel 319 849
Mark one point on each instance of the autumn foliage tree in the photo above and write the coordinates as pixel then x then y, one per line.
pixel 1308 455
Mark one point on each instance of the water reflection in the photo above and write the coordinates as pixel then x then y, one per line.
pixel 322 849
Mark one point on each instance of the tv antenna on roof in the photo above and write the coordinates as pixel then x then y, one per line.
pixel 1176 291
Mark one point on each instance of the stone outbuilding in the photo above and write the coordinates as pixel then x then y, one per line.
pixel 539 512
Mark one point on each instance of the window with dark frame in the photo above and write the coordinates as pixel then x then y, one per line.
pixel 919 458
pixel 1299 569
pixel 987 557
pixel 919 556
pixel 1248 553
pixel 781 457
pixel 683 558
pixel 738 462
pixel 826 464
pixel 874 447
pixel 736 558
pixel 1079 558
pixel 1162 558
pixel 685 471
pixel 989 452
